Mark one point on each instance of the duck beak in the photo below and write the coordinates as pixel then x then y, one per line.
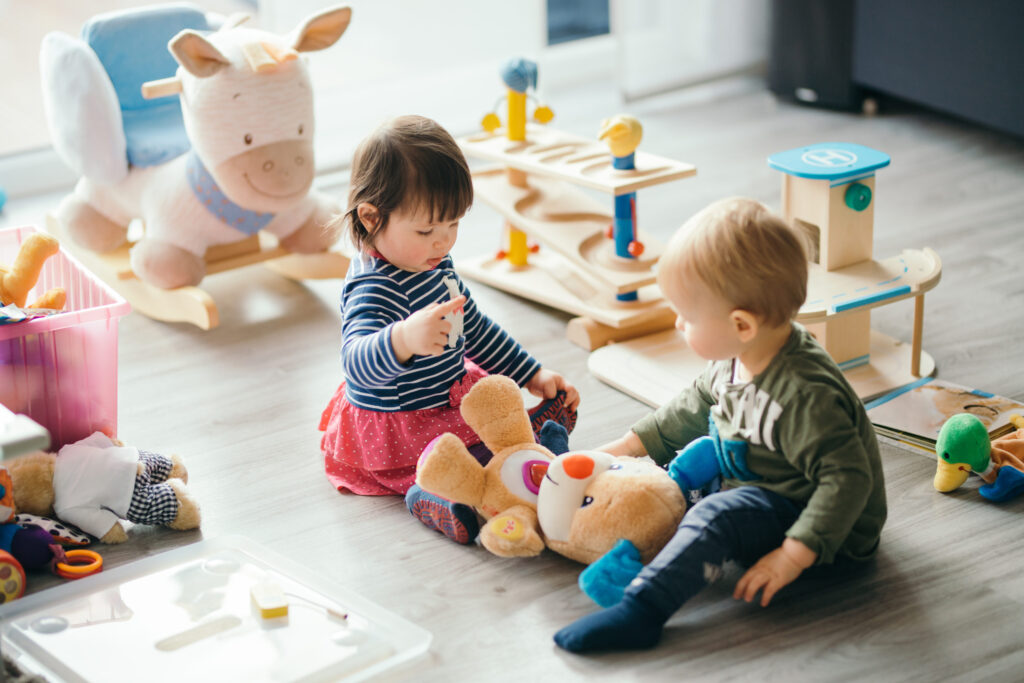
pixel 950 476
pixel 611 130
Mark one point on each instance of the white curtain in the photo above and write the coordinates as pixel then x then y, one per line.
pixel 438 58
pixel 667 44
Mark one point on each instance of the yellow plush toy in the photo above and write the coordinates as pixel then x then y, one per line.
pixel 20 277
pixel 96 482
pixel 580 504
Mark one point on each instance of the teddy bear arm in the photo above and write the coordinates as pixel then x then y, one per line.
pixel 513 533
pixel 449 470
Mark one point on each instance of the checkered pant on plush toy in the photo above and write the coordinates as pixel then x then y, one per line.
pixel 153 500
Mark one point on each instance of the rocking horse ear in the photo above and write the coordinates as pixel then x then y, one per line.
pixel 322 30
pixel 196 54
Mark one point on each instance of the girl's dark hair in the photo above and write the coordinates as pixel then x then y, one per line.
pixel 409 163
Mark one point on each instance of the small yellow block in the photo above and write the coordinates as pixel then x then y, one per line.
pixel 269 599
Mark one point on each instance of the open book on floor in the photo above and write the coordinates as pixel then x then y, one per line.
pixel 914 414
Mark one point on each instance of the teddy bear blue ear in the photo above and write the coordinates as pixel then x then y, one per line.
pixel 554 437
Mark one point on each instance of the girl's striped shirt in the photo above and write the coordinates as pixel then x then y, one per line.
pixel 377 295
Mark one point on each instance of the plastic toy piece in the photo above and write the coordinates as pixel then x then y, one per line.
pixel 12 578
pixel 18 279
pixel 80 563
pixel 197 633
pixel 269 599
pixel 456 318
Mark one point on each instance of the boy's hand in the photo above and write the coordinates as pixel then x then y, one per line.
pixel 546 384
pixel 630 444
pixel 775 570
pixel 425 332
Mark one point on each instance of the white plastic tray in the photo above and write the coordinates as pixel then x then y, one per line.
pixel 187 615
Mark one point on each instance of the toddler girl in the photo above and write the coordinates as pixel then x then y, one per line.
pixel 413 340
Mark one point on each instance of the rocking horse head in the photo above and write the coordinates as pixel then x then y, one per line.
pixel 247 104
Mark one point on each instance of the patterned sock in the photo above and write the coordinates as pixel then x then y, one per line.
pixel 455 520
pixel 553 409
pixel 629 625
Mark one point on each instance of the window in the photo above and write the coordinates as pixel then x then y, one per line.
pixel 570 20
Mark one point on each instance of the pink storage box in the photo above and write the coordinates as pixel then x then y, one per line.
pixel 61 370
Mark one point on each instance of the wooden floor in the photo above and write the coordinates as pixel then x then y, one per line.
pixel 946 597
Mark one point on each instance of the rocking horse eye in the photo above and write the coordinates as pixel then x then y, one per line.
pixel 300 129
pixel 587 500
pixel 248 138
pixel 615 467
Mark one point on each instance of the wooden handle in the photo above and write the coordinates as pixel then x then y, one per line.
pixel 161 88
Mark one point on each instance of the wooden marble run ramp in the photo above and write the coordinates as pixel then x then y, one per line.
pixel 578 270
pixel 192 304
pixel 580 161
pixel 656 367
pixel 572 224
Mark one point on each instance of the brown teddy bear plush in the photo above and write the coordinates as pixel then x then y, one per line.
pixel 96 482
pixel 588 501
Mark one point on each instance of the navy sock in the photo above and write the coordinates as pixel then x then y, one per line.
pixel 553 409
pixel 455 520
pixel 629 625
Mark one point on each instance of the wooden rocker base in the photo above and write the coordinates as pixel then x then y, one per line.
pixel 655 368
pixel 191 304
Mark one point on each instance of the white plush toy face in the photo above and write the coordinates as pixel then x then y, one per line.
pixel 564 489
pixel 247 102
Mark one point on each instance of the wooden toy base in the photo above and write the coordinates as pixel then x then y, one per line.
pixel 655 368
pixel 191 304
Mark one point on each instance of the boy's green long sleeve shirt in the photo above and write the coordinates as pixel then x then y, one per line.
pixel 797 429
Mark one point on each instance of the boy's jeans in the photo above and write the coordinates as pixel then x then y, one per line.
pixel 741 524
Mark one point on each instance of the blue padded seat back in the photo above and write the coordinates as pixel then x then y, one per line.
pixel 132 46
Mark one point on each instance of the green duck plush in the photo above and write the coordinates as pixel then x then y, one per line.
pixel 963 447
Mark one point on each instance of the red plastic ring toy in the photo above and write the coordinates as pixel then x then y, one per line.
pixel 80 563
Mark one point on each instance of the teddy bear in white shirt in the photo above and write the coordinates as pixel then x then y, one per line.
pixel 96 482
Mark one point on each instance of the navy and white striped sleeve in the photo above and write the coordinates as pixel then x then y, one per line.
pixel 491 347
pixel 371 306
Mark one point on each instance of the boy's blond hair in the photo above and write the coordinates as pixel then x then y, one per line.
pixel 745 254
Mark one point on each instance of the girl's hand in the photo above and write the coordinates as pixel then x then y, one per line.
pixel 425 332
pixel 775 570
pixel 546 384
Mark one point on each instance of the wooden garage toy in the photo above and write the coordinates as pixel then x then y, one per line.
pixel 828 191
pixel 597 264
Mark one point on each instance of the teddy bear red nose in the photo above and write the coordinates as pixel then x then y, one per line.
pixel 578 466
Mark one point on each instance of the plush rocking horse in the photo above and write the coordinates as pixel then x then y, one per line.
pixel 202 131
